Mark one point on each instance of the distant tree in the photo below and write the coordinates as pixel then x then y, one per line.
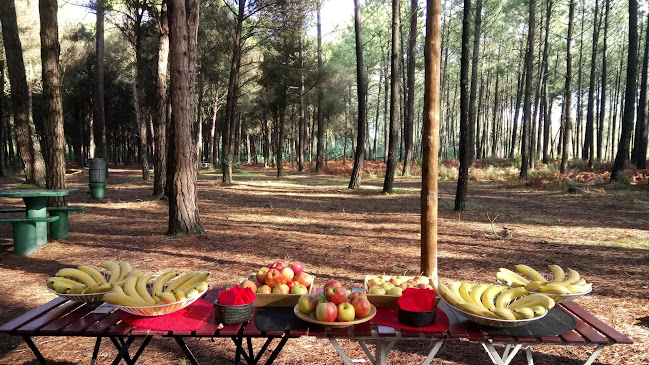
pixel 567 95
pixel 395 74
pixel 359 155
pixel 321 126
pixel 99 118
pixel 473 120
pixel 639 152
pixel 465 143
pixel 159 112
pixel 527 101
pixel 588 152
pixel 410 96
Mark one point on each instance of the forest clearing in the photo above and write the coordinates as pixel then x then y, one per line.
pixel 345 234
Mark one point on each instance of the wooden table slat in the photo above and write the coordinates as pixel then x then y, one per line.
pixel 83 323
pixel 573 337
pixel 503 338
pixel 230 330
pixel 434 334
pixel 410 333
pixel 602 327
pixel 341 332
pixel 386 331
pixel 141 331
pixel 592 335
pixel 526 339
pixel 364 328
pixel 103 325
pixel 31 327
pixel 317 330
pixel 120 329
pixel 251 328
pixel 298 332
pixel 31 315
pixel 550 339
pixel 56 326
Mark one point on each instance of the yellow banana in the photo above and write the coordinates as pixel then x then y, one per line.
pixel 118 290
pixel 506 313
pixel 533 300
pixel 538 310
pixel 135 273
pixel 448 295
pixel 192 293
pixel 130 289
pixel 505 297
pixel 142 281
pixel 114 269
pixel 465 288
pixel 167 298
pixel 180 295
pixel 525 313
pixel 125 270
pixel 476 309
pixel 160 282
pixel 528 271
pixel 180 281
pixel 193 281
pixel 94 273
pixel 78 275
pixel 476 293
pixel 586 287
pixel 202 286
pixel 558 273
pixel 580 282
pixel 78 289
pixel 554 289
pixel 489 296
pixel 573 277
pixel 511 278
pixel 58 287
pixel 69 283
pixel 534 285
pixel 454 286
pixel 98 288
pixel 124 300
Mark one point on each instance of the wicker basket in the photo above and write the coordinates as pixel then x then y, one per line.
pixel 235 314
pixel 417 319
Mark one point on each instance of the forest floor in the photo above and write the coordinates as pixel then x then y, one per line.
pixel 343 234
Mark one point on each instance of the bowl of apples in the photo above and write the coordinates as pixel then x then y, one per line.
pixel 384 290
pixel 279 284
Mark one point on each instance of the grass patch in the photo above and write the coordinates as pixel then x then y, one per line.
pixel 449 204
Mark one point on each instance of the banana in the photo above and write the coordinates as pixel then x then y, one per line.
pixel 167 298
pixel 62 281
pixel 160 282
pixel 533 300
pixel 506 314
pixel 534 285
pixel 476 293
pixel 180 295
pixel 58 287
pixel 554 289
pixel 193 281
pixel 130 290
pixel 528 271
pixel 140 287
pixel 180 281
pixel 114 269
pixel 448 295
pixel 580 282
pixel 98 288
pixel 575 289
pixel 525 313
pixel 124 300
pixel 134 273
pixel 476 309
pixel 118 290
pixel 465 288
pixel 192 293
pixel 586 287
pixel 538 310
pixel 573 277
pixel 558 273
pixel 78 275
pixel 94 273
pixel 78 289
pixel 489 296
pixel 505 297
pixel 202 286
pixel 455 289
pixel 511 278
pixel 125 270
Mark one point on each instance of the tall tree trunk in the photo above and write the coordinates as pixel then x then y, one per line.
pixel 138 99
pixel 473 120
pixel 53 101
pixel 410 101
pixel 215 131
pixel 198 126
pixel 4 136
pixel 629 94
pixel 588 152
pixel 160 111
pixel 580 90
pixel 183 207
pixel 378 109
pixel 395 69
pixel 519 94
pixel 465 143
pixel 321 127
pixel 359 155
pixel 302 123
pixel 26 137
pixel 386 129
pixel 602 103
pixel 639 152
pixel 430 140
pixel 99 117
pixel 527 102
pixel 567 126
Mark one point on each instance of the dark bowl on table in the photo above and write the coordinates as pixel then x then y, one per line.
pixel 417 319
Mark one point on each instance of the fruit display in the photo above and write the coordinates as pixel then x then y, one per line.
pixel 280 278
pixel 394 285
pixel 495 305
pixel 335 306
pixel 561 286
pixel 87 284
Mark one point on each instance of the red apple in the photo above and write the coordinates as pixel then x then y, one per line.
pixel 334 283
pixel 264 289
pixel 362 306
pixel 304 279
pixel 326 312
pixel 249 284
pixel 287 274
pixel 291 284
pixel 346 312
pixel 336 294
pixel 357 295
pixel 299 289
pixel 261 275
pixel 279 264
pixel 297 267
pixel 281 289
pixel 307 303
pixel 273 278
pixel 424 286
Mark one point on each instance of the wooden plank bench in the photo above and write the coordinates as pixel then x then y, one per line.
pixel 25 233
pixel 59 228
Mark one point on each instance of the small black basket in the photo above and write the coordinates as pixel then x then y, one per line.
pixel 417 319
pixel 235 314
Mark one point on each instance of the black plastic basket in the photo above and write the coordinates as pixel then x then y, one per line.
pixel 417 319
pixel 235 314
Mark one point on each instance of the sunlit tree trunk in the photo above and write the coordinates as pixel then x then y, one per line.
pixel 527 102
pixel 567 93
pixel 321 127
pixel 465 133
pixel 410 97
pixel 99 118
pixel 639 152
pixel 395 70
pixel 588 152
pixel 159 112
pixel 359 155
pixel 473 151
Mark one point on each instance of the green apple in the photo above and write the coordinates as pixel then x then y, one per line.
pixel 346 312
pixel 387 286
pixel 395 291
pixel 299 289
pixel 377 290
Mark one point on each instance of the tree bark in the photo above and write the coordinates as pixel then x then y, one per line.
pixel 410 101
pixel 3 124
pixel 359 155
pixel 183 207
pixel 160 110
pixel 473 151
pixel 602 95
pixel 395 69
pixel 639 152
pixel 302 122
pixel 99 118
pixel 28 144
pixel 465 143
pixel 629 94
pixel 527 102
pixel 588 152
pixel 567 94
pixel 321 136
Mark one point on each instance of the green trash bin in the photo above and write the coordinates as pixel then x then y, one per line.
pixel 97 190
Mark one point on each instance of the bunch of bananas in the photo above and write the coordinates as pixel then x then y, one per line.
pixel 134 292
pixel 495 301
pixel 533 281
pixel 88 280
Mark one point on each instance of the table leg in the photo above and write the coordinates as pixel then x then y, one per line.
pixel 496 358
pixel 528 355
pixel 277 350
pixel 381 355
pixel 594 355
pixel 36 208
pixel 433 352
pixel 95 351
pixel 123 350
pixel 141 349
pixel 340 351
pixel 34 349
pixel 367 351
pixel 186 350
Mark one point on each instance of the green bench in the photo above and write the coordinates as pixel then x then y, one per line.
pixel 59 228
pixel 25 233
pixel 13 210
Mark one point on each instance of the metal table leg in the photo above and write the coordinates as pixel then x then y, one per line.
pixel 34 349
pixel 496 358
pixel 186 350
pixel 433 352
pixel 594 355
pixel 95 351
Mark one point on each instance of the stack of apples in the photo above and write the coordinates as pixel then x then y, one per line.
pixel 334 303
pixel 280 278
pixel 395 285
